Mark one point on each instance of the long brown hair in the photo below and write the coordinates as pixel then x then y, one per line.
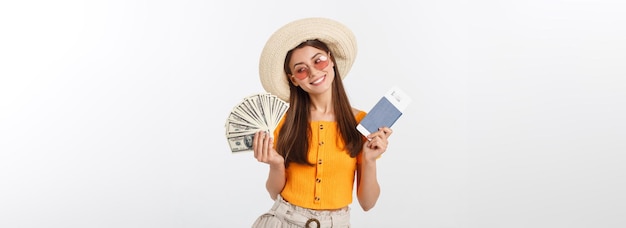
pixel 293 143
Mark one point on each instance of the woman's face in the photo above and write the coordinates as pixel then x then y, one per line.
pixel 311 69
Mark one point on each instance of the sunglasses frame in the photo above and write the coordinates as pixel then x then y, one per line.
pixel 305 74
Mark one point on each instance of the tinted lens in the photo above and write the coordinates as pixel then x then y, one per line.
pixel 301 73
pixel 321 62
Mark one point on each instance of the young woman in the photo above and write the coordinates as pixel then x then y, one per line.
pixel 316 151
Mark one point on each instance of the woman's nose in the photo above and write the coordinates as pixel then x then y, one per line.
pixel 313 72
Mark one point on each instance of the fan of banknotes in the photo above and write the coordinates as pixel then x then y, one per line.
pixel 258 112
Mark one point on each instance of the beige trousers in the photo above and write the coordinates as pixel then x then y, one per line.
pixel 286 215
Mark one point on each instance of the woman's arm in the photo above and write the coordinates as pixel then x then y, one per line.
pixel 264 152
pixel 368 189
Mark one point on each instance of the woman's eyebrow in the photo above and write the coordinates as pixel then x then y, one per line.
pixel 314 56
pixel 295 64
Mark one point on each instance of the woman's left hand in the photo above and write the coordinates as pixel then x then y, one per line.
pixel 376 144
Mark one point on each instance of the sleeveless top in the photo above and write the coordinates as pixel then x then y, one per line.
pixel 329 183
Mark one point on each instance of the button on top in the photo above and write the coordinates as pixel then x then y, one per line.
pixel 321 127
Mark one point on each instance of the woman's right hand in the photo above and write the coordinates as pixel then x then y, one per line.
pixel 264 151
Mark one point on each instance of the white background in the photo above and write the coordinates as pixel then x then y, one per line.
pixel 112 112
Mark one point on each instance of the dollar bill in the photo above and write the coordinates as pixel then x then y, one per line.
pixel 233 128
pixel 241 143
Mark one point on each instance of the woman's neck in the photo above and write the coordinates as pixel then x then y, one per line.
pixel 322 108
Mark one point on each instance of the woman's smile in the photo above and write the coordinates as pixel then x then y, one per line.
pixel 319 80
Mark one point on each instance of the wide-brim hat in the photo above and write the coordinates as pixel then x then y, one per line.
pixel 339 38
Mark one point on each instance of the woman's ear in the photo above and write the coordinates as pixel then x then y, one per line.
pixel 293 80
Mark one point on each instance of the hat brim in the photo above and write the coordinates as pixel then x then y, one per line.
pixel 339 39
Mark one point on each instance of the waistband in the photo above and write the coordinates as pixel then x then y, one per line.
pixel 310 218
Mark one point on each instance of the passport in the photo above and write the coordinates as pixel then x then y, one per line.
pixel 385 112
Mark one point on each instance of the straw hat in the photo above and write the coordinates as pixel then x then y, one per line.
pixel 339 38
